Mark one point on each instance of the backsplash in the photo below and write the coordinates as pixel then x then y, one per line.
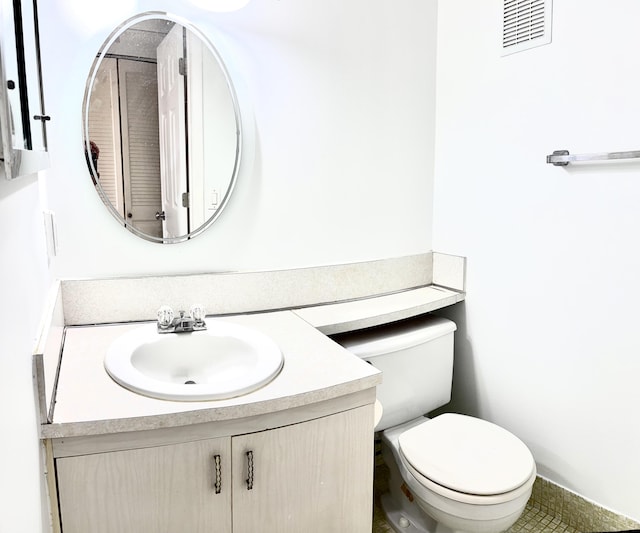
pixel 134 299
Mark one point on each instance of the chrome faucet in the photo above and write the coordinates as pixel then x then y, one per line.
pixel 169 323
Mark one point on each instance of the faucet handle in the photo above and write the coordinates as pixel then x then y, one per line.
pixel 165 316
pixel 197 313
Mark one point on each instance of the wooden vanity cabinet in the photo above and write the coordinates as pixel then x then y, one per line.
pixel 313 476
pixel 159 489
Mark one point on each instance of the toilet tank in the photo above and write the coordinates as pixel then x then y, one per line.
pixel 415 357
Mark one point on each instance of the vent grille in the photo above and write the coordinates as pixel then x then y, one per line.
pixel 525 24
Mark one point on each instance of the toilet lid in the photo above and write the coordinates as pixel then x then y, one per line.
pixel 466 454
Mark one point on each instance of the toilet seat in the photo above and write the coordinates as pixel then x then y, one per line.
pixel 467 458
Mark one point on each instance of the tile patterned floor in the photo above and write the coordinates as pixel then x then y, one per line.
pixel 380 525
pixel 534 520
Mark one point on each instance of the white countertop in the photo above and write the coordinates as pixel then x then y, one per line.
pixel 367 312
pixel 89 402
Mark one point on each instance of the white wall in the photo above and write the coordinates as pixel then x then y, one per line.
pixel 24 281
pixel 343 103
pixel 548 343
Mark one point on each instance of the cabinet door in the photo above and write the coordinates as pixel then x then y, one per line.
pixel 312 477
pixel 165 489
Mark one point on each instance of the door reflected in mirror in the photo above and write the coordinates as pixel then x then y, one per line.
pixel 162 129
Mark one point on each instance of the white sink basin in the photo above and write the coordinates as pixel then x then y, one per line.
pixel 224 361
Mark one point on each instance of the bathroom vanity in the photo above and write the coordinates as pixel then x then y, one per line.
pixel 291 455
pixel 287 479
pixel 294 455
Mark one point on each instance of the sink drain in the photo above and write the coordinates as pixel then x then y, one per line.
pixel 189 382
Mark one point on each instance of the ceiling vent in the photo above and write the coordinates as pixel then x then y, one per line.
pixel 525 24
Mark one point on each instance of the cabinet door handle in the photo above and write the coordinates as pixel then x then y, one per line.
pixel 217 481
pixel 249 470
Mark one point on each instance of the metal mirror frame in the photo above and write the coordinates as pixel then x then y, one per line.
pixel 111 39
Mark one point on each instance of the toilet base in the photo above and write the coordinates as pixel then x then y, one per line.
pixel 402 514
pixel 406 519
pixel 402 520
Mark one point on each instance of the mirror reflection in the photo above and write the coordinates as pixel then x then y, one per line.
pixel 162 129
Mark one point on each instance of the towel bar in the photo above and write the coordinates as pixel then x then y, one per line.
pixel 561 158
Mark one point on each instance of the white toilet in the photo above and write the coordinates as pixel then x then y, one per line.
pixel 452 473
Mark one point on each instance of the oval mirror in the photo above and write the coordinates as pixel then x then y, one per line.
pixel 162 131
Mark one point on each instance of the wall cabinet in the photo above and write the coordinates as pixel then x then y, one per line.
pixel 314 476
pixel 23 136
